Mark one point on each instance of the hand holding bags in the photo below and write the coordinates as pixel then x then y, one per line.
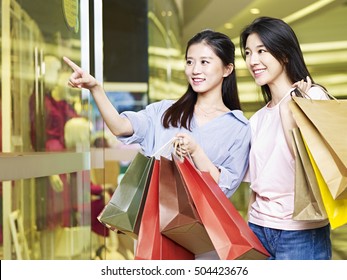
pixel 123 211
pixel 220 226
pixel 179 219
pixel 229 232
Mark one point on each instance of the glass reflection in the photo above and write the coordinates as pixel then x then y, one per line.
pixel 50 215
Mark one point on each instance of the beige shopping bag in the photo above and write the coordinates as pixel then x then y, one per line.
pixel 308 203
pixel 325 157
pixel 330 119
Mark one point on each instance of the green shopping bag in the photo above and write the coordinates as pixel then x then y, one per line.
pixel 124 210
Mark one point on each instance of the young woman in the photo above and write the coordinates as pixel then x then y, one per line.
pixel 274 58
pixel 207 118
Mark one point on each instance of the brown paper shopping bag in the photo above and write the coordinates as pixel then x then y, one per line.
pixel 308 204
pixel 324 156
pixel 179 219
pixel 330 119
pixel 152 244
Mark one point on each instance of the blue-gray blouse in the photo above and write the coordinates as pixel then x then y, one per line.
pixel 225 139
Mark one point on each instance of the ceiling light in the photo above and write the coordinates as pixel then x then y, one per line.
pixel 307 10
pixel 254 11
pixel 228 25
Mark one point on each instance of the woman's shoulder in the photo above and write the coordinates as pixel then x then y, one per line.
pixel 317 92
pixel 160 105
pixel 239 115
pixel 261 111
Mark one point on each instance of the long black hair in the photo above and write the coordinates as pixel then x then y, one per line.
pixel 280 40
pixel 181 112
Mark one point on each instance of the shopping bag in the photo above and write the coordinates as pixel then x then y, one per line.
pixel 231 236
pixel 151 244
pixel 330 119
pixel 123 211
pixel 179 219
pixel 308 204
pixel 336 209
pixel 322 153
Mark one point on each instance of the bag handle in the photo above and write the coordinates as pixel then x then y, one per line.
pixel 181 158
pixel 166 148
pixel 170 148
pixel 177 146
pixel 304 94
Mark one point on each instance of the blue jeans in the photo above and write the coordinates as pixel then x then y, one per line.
pixel 311 244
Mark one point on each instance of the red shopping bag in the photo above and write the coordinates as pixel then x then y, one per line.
pixel 152 245
pixel 229 232
pixel 179 219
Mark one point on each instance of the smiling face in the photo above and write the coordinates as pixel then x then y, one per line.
pixel 262 65
pixel 204 69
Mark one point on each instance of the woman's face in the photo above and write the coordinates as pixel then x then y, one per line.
pixel 204 70
pixel 262 65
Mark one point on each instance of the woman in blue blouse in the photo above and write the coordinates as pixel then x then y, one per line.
pixel 207 119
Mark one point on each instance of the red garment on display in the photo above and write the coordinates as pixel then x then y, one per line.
pixel 97 205
pixel 54 208
pixel 57 113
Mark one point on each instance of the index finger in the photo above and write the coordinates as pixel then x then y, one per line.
pixel 73 65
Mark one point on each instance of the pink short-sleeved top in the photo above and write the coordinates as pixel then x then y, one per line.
pixel 272 171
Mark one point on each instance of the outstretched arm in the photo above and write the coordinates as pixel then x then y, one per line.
pixel 80 79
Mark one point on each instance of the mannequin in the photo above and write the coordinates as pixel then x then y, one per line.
pixel 48 114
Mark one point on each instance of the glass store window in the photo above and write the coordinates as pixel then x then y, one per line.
pixel 165 52
pixel 45 132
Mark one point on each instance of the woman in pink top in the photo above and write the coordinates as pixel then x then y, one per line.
pixel 274 58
